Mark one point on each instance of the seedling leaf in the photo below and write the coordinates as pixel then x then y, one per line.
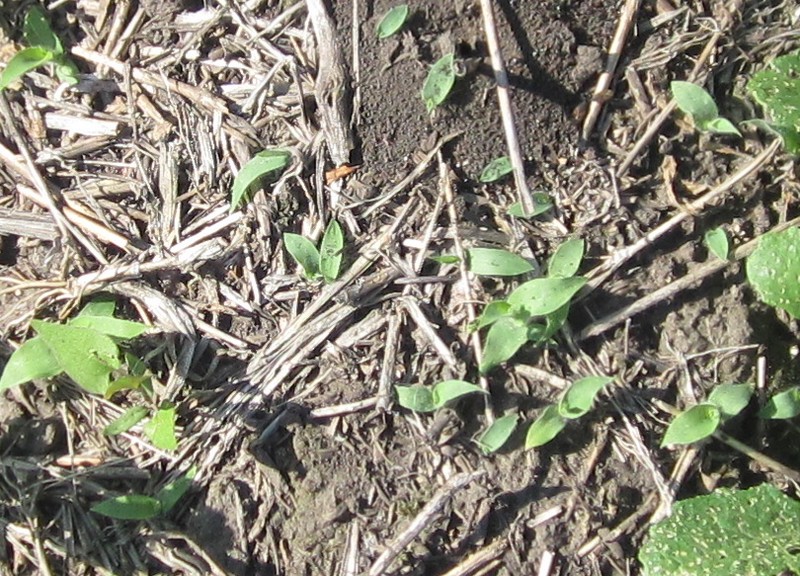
pixel 392 21
pixel 416 398
pixel 721 125
pixel 555 320
pixel 99 307
pixel 566 260
pixel 170 494
pixel 727 532
pixel 505 338
pixel 130 418
pixel 496 435
pixel 579 397
pixel 265 163
pixel 37 31
pixel 731 398
pixel 129 382
pixel 695 101
pixel 541 204
pixel 161 428
pixel 777 89
pixel 545 427
pixel 491 314
pixel 439 82
pixel 24 61
pixel 450 390
pixel 110 326
pixel 774 267
pixel 717 242
pixel 66 70
pixel 303 252
pixel 496 169
pixel 696 423
pixel 783 405
pixel 542 296
pixel 30 361
pixel 330 251
pixel 446 259
pixel 496 262
pixel 131 507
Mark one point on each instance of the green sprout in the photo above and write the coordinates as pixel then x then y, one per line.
pixel 432 398
pixel 439 82
pixel 392 21
pixel 698 103
pixel 324 262
pixel 496 169
pixel 702 420
pixel 267 163
pixel 142 507
pixel 717 242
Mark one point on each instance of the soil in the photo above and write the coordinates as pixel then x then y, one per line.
pixel 299 470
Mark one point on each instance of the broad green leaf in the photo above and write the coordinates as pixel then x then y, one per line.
pixel 161 428
pixel 743 532
pixel 446 259
pixel 66 70
pixel 491 314
pixel 717 242
pixel 542 296
pixel 720 125
pixel 130 418
pixel 450 390
pixel 541 204
pixel 303 252
pixel 129 382
pixel 31 361
pixel 566 259
pixel 330 251
pixel 773 269
pixel 110 326
pixel 695 101
pixel 777 89
pixel 392 21
pixel 131 507
pixel 789 135
pixel 545 427
pixel 24 61
pixel 579 397
pixel 496 169
pixel 505 338
pixel 731 398
pixel 696 423
pixel 170 494
pixel 265 163
pixel 37 31
pixel 87 356
pixel 416 398
pixel 783 405
pixel 496 262
pixel 103 306
pixel 496 435
pixel 439 82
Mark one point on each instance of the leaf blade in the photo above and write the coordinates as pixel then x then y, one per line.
pixel 496 262
pixel 392 21
pixel 330 251
pixel 439 82
pixel 265 163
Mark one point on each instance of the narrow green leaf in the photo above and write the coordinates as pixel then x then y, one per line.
pixel 446 259
pixel 491 314
pixel 416 398
pixel 541 204
pixel 102 306
pixel 450 390
pixel 37 32
pixel 717 242
pixel 31 361
pixel 566 259
pixel 87 356
pixel 579 397
pixel 439 82
pixel 505 338
pixel 170 494
pixel 545 428
pixel 392 21
pixel 330 251
pixel 731 398
pixel 496 169
pixel 24 61
pixel 783 405
pixel 695 101
pixel 129 382
pixel 131 507
pixel 303 252
pixel 721 125
pixel 263 164
pixel 542 296
pixel 161 428
pixel 696 423
pixel 110 326
pixel 496 435
pixel 130 418
pixel 496 262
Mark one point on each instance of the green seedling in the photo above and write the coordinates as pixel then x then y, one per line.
pixel 773 270
pixel 541 204
pixel 575 402
pixel 446 259
pixel 430 399
pixel 717 242
pixel 267 164
pixel 777 90
pixel 496 435
pixel 325 262
pixel 392 21
pixel 44 48
pixel 496 262
pixel 702 420
pixel 161 428
pixel 439 82
pixel 698 103
pixel 496 169
pixel 142 507
pixel 782 406
pixel 745 532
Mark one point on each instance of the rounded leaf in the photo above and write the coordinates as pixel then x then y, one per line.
pixel 505 338
pixel 695 101
pixel 579 397
pixel 566 259
pixel 496 169
pixel 783 405
pixel 542 296
pixel 731 398
pixel 721 125
pixel 416 398
pixel 696 423
pixel 541 204
pixel 161 428
pixel 450 390
pixel 774 270
pixel 717 242
pixel 439 82
pixel 265 163
pixel 491 314
pixel 545 428
pixel 303 252
pixel 496 262
pixel 496 435
pixel 392 21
